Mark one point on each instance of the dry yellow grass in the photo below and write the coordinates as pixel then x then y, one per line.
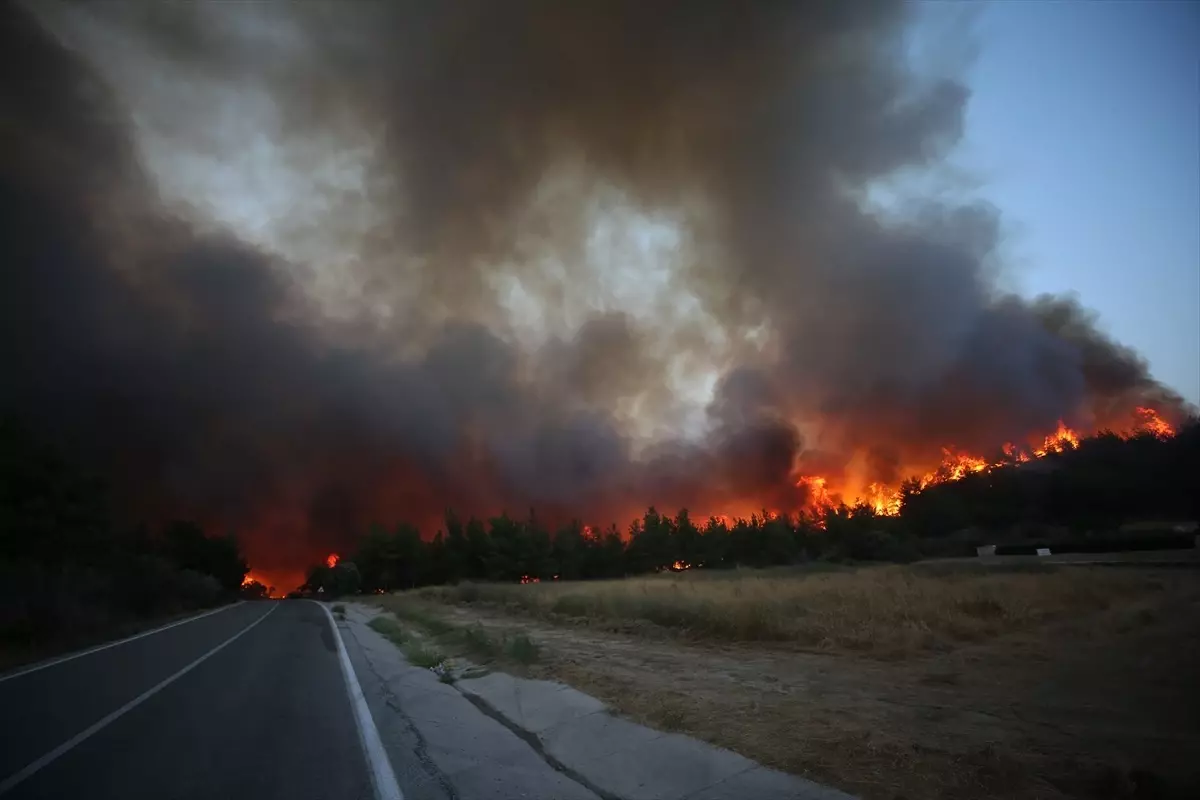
pixel 927 683
pixel 883 611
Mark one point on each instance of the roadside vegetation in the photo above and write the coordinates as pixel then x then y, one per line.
pixel 922 681
pixel 418 652
pixel 427 639
pixel 72 571
pixel 886 611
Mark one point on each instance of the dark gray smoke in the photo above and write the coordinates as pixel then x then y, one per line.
pixel 296 268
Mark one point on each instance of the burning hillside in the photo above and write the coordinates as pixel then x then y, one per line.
pixel 291 270
pixel 886 499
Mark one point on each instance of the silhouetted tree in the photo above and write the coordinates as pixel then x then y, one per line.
pixel 68 563
pixel 185 544
pixel 255 591
pixel 1103 482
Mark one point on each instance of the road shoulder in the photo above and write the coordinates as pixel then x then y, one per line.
pixel 442 747
pixel 516 721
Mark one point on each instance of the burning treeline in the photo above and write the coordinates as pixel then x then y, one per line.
pixel 886 499
pixel 1071 493
pixel 292 269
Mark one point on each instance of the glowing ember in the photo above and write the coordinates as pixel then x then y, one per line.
pixel 680 566
pixel 332 559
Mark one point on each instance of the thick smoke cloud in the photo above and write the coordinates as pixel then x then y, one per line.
pixel 292 269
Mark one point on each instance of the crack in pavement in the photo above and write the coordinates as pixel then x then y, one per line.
pixel 392 702
pixel 533 741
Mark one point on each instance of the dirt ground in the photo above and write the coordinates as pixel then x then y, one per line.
pixel 1094 707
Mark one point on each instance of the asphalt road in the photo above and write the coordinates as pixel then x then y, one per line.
pixel 261 710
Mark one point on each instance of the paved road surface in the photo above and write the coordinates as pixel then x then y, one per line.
pixel 264 713
pixel 270 700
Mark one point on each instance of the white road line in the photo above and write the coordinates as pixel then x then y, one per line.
pixel 55 661
pixel 66 746
pixel 382 777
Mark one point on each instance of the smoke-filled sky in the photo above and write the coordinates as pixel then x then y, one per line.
pixel 294 268
pixel 1084 125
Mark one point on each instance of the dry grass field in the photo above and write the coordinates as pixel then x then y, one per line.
pixel 890 612
pixel 890 682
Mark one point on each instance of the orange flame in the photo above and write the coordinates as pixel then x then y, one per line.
pixel 818 493
pixel 332 560
pixel 253 577
pixel 886 499
pixel 1015 453
pixel 1060 441
pixel 820 499
pixel 883 499
pixel 1150 422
